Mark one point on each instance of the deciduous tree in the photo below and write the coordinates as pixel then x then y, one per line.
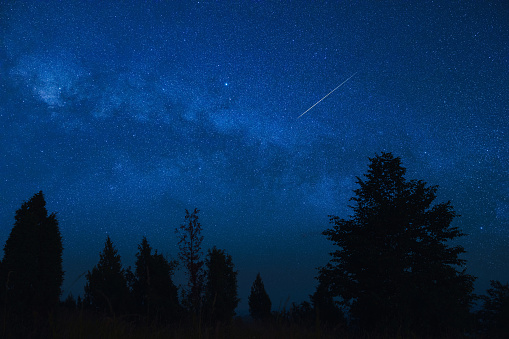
pixel 495 312
pixel 190 255
pixel 326 309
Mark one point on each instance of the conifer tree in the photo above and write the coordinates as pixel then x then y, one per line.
pixel 259 301
pixel 106 289
pixel 221 287
pixel 393 267
pixel 32 264
pixel 154 292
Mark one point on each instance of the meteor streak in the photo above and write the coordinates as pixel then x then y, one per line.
pixel 341 84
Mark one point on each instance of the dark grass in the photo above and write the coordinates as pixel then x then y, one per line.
pixel 83 324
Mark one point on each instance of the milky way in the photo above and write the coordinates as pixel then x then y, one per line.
pixel 125 115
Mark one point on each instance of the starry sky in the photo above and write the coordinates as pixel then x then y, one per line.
pixel 124 115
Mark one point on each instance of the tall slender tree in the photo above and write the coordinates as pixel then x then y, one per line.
pixel 259 301
pixel 32 264
pixel 393 266
pixel 221 287
pixel 106 288
pixel 190 254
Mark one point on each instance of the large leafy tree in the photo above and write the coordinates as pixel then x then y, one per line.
pixel 259 301
pixel 155 294
pixel 495 312
pixel 106 289
pixel 190 254
pixel 393 265
pixel 32 265
pixel 326 309
pixel 221 288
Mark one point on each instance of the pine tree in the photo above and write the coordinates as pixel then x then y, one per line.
pixel 190 254
pixel 259 301
pixel 32 264
pixel 106 289
pixel 221 287
pixel 141 278
pixel 393 266
pixel 154 292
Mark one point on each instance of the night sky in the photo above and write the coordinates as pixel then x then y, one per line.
pixel 124 115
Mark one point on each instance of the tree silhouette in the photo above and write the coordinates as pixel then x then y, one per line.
pixel 302 314
pixel 326 309
pixel 155 294
pixel 393 267
pixel 69 303
pixel 221 287
pixel 190 254
pixel 495 312
pixel 32 265
pixel 259 301
pixel 106 289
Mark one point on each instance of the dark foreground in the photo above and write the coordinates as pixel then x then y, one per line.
pixel 85 324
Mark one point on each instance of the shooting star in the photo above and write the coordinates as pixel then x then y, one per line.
pixel 341 84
